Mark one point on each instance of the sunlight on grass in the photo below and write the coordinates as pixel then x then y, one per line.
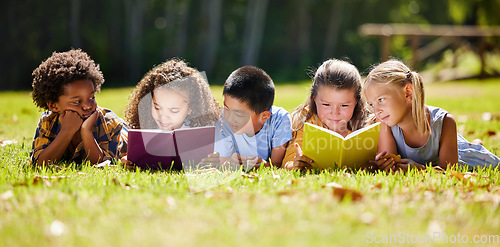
pixel 78 205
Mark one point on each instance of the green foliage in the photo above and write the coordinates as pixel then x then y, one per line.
pixel 127 38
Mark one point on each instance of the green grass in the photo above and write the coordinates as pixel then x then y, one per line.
pixel 120 207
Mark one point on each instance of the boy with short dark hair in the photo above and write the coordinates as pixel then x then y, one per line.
pixel 74 128
pixel 252 130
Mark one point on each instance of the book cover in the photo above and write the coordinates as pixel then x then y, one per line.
pixel 330 149
pixel 160 149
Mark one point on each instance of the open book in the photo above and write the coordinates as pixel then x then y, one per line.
pixel 329 149
pixel 160 149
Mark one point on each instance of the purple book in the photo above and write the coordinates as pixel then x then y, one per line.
pixel 160 149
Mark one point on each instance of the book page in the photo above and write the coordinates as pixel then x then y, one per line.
pixel 362 147
pixel 322 146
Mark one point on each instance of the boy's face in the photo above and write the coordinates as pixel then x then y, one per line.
pixel 78 96
pixel 241 118
pixel 169 108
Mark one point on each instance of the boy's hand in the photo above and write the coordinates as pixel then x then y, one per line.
pixel 70 121
pixel 253 161
pixel 90 122
pixel 127 163
pixel 237 159
pixel 300 162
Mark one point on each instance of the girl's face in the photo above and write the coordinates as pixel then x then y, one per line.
pixel 389 104
pixel 169 108
pixel 335 107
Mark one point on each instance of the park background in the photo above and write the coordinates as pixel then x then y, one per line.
pixel 69 204
pixel 285 38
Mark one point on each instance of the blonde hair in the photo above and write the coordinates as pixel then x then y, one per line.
pixel 337 74
pixel 396 74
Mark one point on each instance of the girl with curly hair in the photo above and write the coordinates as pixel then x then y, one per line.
pixel 170 96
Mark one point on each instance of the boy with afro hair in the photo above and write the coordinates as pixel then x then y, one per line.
pixel 74 128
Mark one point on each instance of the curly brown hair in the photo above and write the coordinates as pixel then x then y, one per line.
pixel 59 70
pixel 204 108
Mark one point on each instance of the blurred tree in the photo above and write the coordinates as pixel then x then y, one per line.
pixel 286 38
pixel 254 29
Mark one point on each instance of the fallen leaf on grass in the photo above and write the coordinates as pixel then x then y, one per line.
pixel 294 181
pixel 246 175
pixel 491 133
pixel 104 164
pixel 7 142
pixel 495 190
pixel 377 186
pixel 41 181
pixel 470 180
pixel 438 169
pixel 127 186
pixel 462 177
pixel 341 193
pixel 332 185
pixel 286 193
pixel 486 116
pixel 275 176
pixel 420 188
pixel 6 195
pixel 53 177
pixel 367 218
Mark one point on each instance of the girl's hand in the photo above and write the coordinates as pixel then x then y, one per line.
pixel 70 121
pixel 385 164
pixel 406 164
pixel 300 162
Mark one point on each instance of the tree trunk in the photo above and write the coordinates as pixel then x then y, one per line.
pixel 333 29
pixel 208 47
pixel 254 28
pixel 182 31
pixel 134 10
pixel 304 35
pixel 75 24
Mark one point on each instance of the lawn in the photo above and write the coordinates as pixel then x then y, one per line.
pixel 77 205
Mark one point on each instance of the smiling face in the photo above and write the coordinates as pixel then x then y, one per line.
pixel 388 103
pixel 78 96
pixel 240 117
pixel 169 108
pixel 335 107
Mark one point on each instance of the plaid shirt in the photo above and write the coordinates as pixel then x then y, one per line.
pixel 110 132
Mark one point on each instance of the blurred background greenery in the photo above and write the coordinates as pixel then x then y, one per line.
pixel 288 39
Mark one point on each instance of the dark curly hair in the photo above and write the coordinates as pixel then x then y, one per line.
pixel 59 70
pixel 204 108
